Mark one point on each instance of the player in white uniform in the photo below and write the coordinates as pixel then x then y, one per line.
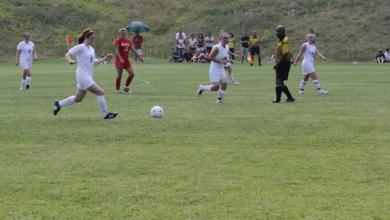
pixel 309 50
pixel 85 56
pixel 25 53
pixel 219 58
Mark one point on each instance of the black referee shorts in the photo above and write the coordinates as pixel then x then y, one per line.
pixel 283 70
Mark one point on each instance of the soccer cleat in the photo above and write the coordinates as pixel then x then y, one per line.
pixel 276 101
pixel 218 101
pixel 290 100
pixel 27 86
pixel 111 115
pixel 323 92
pixel 235 82
pixel 301 92
pixel 200 90
pixel 56 107
pixel 126 89
pixel 118 91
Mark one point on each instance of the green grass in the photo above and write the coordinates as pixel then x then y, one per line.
pixel 318 158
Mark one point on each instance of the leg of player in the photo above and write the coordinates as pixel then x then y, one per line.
pixel 129 79
pixel 316 84
pixel 23 80
pixel 302 85
pixel 80 94
pixel 208 88
pixel 97 90
pixel 118 80
pixel 231 75
pixel 28 78
pixel 221 92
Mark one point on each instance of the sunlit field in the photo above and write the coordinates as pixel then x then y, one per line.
pixel 321 157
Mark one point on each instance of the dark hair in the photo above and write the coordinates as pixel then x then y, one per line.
pixel 85 34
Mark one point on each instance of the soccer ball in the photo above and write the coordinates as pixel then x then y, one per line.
pixel 156 112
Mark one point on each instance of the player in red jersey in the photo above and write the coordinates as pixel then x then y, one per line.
pixel 122 46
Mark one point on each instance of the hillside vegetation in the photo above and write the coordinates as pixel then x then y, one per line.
pixel 347 29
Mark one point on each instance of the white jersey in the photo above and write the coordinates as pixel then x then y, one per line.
pixel 26 50
pixel 85 56
pixel 308 58
pixel 223 55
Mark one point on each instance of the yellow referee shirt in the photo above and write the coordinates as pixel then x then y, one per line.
pixel 282 47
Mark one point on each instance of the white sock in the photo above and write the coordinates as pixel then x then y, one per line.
pixel 207 88
pixel 316 84
pixel 28 80
pixel 231 77
pixel 102 104
pixel 22 83
pixel 221 94
pixel 302 85
pixel 68 101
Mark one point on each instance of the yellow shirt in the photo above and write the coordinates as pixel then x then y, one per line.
pixel 231 44
pixel 254 41
pixel 282 47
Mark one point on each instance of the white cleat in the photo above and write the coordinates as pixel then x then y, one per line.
pixel 200 90
pixel 323 92
pixel 218 101
pixel 235 83
pixel 301 92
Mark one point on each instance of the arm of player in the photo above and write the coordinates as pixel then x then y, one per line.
pixel 107 57
pixel 18 56
pixel 318 53
pixel 69 58
pixel 301 51
pixel 118 54
pixel 35 54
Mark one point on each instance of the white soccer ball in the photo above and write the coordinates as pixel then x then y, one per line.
pixel 156 112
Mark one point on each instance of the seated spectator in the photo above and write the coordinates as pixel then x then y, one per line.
pixel 196 57
pixel 187 56
pixel 380 57
pixel 387 55
pixel 175 56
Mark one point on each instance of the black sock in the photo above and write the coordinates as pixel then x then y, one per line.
pixel 278 91
pixel 259 61
pixel 287 92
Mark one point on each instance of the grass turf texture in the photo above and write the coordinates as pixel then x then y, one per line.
pixel 318 158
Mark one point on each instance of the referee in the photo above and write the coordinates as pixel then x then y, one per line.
pixel 283 64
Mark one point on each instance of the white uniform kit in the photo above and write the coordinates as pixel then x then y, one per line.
pixel 308 59
pixel 217 71
pixel 26 54
pixel 85 56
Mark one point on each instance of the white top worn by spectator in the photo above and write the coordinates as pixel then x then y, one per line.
pixel 193 42
pixel 26 50
pixel 182 34
pixel 387 55
pixel 209 41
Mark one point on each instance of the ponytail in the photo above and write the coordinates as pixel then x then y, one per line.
pixel 86 33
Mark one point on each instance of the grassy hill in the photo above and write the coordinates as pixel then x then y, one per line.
pixel 347 29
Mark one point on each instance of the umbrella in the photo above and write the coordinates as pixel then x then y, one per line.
pixel 137 26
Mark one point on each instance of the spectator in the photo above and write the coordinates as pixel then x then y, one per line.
pixel 175 57
pixel 137 42
pixel 254 47
pixel 180 45
pixel 387 55
pixel 209 40
pixel 181 34
pixel 187 55
pixel 200 43
pixel 380 57
pixel 232 45
pixel 193 43
pixel 244 46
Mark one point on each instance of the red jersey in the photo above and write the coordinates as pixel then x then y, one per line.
pixel 124 47
pixel 137 41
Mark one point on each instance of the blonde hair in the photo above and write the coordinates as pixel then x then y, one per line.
pixel 123 29
pixel 85 34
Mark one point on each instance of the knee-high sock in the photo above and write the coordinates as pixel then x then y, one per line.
pixel 302 85
pixel 207 88
pixel 278 91
pixel 231 76
pixel 118 82
pixel 287 92
pixel 316 84
pixel 129 79
pixel 102 104
pixel 28 80
pixel 22 83
pixel 68 101
pixel 221 94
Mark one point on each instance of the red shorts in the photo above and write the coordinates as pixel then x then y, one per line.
pixel 121 66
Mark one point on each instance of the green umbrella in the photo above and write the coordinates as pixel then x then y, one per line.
pixel 137 26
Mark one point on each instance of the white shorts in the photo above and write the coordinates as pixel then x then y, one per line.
pixel 139 52
pixel 308 68
pixel 217 75
pixel 84 83
pixel 25 64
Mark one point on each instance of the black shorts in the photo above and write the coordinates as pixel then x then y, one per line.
pixel 283 70
pixel 255 50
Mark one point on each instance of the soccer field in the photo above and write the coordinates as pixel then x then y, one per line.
pixel 322 157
